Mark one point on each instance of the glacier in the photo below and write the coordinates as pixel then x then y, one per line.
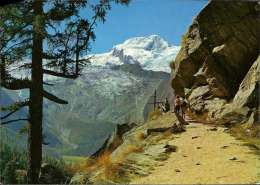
pixel 151 53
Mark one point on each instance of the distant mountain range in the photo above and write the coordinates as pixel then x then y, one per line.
pixel 114 89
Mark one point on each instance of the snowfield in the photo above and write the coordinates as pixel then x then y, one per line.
pixel 151 53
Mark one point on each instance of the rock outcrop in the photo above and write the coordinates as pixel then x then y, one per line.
pixel 217 68
pixel 248 93
pixel 114 140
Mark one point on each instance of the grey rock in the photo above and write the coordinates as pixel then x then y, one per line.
pixel 170 148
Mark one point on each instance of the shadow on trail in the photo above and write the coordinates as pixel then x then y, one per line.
pixel 180 119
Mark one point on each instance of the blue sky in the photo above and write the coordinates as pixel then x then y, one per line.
pixel 167 18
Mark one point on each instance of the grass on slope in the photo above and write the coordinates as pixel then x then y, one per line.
pixel 69 159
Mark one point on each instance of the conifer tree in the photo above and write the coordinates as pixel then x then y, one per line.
pixel 51 35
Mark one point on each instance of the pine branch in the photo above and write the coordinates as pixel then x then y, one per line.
pixel 14 120
pixel 7 115
pixel 85 60
pixel 25 66
pixel 53 98
pixel 45 83
pixel 15 84
pixel 54 73
pixel 9 82
pixel 3 3
pixel 12 35
pixel 25 41
pixel 48 56
pixel 14 108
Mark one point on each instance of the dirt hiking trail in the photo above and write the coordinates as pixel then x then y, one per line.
pixel 206 155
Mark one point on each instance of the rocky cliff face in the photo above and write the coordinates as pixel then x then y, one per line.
pixel 213 68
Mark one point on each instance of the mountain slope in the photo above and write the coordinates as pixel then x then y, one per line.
pixel 114 89
pixel 98 100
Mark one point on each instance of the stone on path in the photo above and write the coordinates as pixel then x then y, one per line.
pixel 213 129
pixel 170 148
pixel 233 159
pixel 194 137
pixel 224 147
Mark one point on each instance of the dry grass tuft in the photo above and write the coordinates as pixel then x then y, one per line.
pixel 154 114
pixel 104 159
pixel 112 171
pixel 83 166
pixel 128 150
pixel 249 135
pixel 108 168
pixel 112 168
pixel 140 136
pixel 116 142
pixel 134 149
pixel 167 134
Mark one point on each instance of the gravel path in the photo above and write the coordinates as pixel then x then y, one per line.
pixel 206 155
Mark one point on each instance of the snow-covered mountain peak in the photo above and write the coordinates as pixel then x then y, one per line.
pixel 151 53
pixel 153 42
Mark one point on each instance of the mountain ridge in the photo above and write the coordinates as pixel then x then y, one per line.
pixel 151 53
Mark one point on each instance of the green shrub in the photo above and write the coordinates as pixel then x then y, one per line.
pixel 10 161
pixel 9 176
pixel 13 165
pixel 59 164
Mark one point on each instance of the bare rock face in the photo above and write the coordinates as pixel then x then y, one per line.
pixel 114 140
pixel 246 99
pixel 213 66
pixel 248 93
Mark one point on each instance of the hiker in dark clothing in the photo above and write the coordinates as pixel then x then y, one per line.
pixel 184 107
pixel 166 105
pixel 177 104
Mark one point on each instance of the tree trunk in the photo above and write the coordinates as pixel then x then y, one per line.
pixel 36 99
pixel 2 69
pixel 77 54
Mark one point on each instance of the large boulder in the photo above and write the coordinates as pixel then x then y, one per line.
pixel 231 115
pixel 248 93
pixel 216 54
pixel 219 47
pixel 246 100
